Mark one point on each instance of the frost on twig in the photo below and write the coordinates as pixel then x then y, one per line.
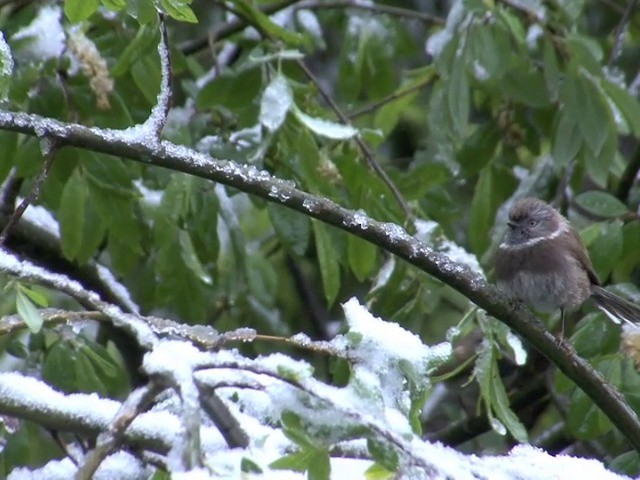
pixel 30 272
pixel 113 437
pixel 157 119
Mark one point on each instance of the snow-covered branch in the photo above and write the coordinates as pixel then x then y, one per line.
pixel 135 145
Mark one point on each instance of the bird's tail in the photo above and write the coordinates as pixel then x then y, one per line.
pixel 617 308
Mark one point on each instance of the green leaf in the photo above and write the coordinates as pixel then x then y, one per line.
pixel 28 312
pixel 479 148
pixel 500 403
pixel 249 466
pixel 190 257
pixel 71 214
pixel 36 297
pixel 293 228
pixel 319 465
pixel 378 472
pixel 87 379
pixel 601 204
pixel 596 335
pixel 298 461
pixel 606 249
pixel 594 116
pixel 115 5
pixel 179 10
pixel 567 140
pixel 494 186
pixel 362 256
pixel 527 86
pixel 235 90
pixel 626 103
pixel 585 420
pixel 145 40
pixel 458 96
pixel 262 278
pixel 551 68
pixel 328 259
pixel 58 368
pixel 79 10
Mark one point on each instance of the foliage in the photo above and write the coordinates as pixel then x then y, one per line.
pixel 512 99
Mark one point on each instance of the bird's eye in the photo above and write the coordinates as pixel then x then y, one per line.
pixel 532 223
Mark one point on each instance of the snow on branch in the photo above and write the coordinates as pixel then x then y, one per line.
pixel 388 236
pixel 30 272
pixel 260 394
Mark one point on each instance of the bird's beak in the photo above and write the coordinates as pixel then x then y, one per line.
pixel 511 225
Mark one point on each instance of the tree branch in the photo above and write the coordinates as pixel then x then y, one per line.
pixel 388 236
pixel 114 436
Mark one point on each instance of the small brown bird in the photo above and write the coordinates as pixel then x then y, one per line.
pixel 542 262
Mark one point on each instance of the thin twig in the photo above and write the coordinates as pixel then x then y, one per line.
pixel 50 148
pixel 219 413
pixel 366 151
pixel 231 28
pixel 371 7
pixel 113 438
pixel 618 36
pixel 399 93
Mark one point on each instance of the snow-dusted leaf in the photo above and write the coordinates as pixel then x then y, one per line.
pixel 326 128
pixel 276 101
pixel 6 68
pixel 28 312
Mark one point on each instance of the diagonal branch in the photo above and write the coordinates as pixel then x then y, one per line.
pixel 387 236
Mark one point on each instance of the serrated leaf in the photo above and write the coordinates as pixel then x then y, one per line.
pixel 28 312
pixel 276 101
pixel 71 214
pixel 79 10
pixel 602 204
pixel 325 128
pixel 328 260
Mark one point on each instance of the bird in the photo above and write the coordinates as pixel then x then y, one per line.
pixel 542 262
